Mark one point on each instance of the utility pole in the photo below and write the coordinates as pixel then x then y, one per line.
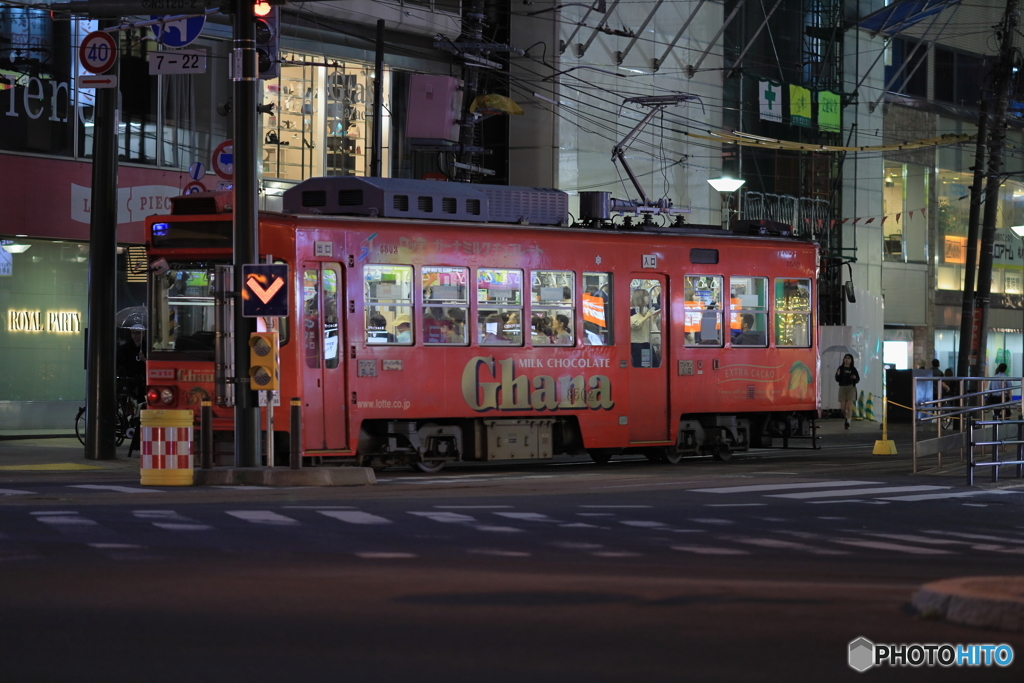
pixel 245 76
pixel 1002 81
pixel 101 372
pixel 967 353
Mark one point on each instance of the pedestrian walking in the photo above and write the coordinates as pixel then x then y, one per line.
pixel 847 377
pixel 1001 385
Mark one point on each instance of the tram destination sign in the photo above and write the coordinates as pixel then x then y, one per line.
pixel 265 290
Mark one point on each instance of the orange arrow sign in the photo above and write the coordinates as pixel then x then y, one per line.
pixel 264 295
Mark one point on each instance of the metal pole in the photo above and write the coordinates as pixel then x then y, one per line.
pixel 295 435
pixel 244 70
pixel 206 435
pixel 997 140
pixel 966 362
pixel 101 389
pixel 378 104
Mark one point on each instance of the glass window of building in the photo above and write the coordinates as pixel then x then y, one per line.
pixel 322 120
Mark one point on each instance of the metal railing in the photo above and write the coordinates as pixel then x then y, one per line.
pixel 997 445
pixel 952 413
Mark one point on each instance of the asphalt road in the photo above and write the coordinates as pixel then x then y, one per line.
pixel 762 569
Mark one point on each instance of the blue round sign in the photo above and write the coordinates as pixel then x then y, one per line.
pixel 179 32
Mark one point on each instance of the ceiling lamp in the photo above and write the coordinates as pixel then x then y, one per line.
pixel 16 248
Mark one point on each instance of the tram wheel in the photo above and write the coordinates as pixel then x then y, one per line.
pixel 601 456
pixel 430 466
pixel 721 452
pixel 671 455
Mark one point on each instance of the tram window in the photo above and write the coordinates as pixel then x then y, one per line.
pixel 331 355
pixel 597 309
pixel 645 323
pixel 702 298
pixel 183 312
pixel 499 293
pixel 552 314
pixel 793 312
pixel 748 311
pixel 311 316
pixel 387 296
pixel 445 304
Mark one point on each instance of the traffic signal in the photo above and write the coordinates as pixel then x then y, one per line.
pixel 264 361
pixel 268 38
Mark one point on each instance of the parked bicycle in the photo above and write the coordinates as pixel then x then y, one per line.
pixel 126 414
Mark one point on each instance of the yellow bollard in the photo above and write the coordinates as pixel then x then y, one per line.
pixel 884 446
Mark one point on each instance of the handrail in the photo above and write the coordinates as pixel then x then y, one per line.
pixel 962 406
pixel 997 446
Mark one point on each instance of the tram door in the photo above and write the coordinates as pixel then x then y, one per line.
pixel 324 414
pixel 648 366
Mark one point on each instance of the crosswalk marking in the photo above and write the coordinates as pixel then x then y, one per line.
pixel 755 488
pixel 711 520
pixel 895 547
pixel 170 520
pixel 263 517
pixel 914 538
pixel 709 550
pixel 60 519
pixel 615 553
pixel 354 517
pixel 385 556
pixel 17 492
pixel 500 553
pixel 118 489
pixel 446 517
pixel 952 494
pixel 790 545
pixel 472 507
pixel 643 523
pixel 856 492
pixel 998 549
pixel 978 537
pixel 527 516
pixel 734 505
pixel 498 529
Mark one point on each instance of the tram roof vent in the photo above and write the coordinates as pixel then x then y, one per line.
pixel 427 199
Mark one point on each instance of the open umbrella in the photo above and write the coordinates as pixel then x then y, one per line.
pixel 131 316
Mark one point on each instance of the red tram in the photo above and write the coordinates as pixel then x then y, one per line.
pixel 432 322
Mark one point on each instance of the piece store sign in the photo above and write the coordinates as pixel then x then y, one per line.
pixel 50 322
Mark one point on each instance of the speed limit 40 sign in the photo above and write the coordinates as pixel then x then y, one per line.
pixel 97 52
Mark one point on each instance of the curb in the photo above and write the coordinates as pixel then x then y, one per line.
pixel 263 476
pixel 987 601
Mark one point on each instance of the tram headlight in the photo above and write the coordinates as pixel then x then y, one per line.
pixel 161 395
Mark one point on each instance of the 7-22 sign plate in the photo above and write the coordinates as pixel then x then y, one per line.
pixel 177 62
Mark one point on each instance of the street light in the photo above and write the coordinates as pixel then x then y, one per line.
pixel 726 186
